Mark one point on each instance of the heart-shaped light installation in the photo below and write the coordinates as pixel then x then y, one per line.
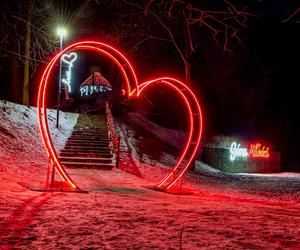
pixel 69 58
pixel 132 89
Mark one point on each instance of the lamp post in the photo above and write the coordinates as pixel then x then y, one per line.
pixel 61 32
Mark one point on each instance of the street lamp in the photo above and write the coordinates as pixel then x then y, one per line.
pixel 61 32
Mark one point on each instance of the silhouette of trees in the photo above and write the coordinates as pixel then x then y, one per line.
pixel 182 24
pixel 26 42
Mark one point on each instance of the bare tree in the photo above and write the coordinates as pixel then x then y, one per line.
pixel 25 100
pixel 291 16
pixel 182 24
pixel 25 42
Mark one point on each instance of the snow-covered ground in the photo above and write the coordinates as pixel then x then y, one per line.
pixel 226 212
pixel 21 147
pixel 176 138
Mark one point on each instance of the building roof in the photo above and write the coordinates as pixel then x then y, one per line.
pixel 96 79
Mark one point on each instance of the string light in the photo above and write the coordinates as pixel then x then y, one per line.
pixel 68 59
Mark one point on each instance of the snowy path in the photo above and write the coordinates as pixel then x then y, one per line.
pixel 227 212
pixel 120 214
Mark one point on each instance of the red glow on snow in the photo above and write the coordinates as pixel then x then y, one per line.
pixel 133 90
pixel 259 151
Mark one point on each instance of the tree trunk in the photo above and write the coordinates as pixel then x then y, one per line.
pixel 187 72
pixel 15 83
pixel 188 49
pixel 27 56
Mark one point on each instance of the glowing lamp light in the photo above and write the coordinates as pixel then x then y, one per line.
pixel 61 32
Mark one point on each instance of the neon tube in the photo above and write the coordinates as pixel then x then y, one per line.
pixel 41 102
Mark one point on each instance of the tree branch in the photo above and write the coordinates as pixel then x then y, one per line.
pixel 292 15
pixel 171 36
pixel 146 39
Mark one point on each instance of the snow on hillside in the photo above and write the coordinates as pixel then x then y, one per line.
pixel 21 148
pixel 129 142
pixel 287 184
pixel 176 138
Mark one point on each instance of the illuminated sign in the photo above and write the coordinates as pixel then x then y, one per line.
pixel 90 89
pixel 257 150
pixel 68 59
pixel 237 151
pixel 93 84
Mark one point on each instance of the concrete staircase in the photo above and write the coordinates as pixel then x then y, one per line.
pixel 89 145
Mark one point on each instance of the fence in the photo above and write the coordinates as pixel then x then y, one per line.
pixel 113 134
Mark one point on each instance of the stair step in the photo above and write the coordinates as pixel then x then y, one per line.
pixel 87 150
pixel 85 154
pixel 90 130
pixel 91 134
pixel 86 147
pixel 94 144
pixel 88 141
pixel 104 138
pixel 88 165
pixel 84 138
pixel 98 130
pixel 99 140
pixel 76 151
pixel 86 159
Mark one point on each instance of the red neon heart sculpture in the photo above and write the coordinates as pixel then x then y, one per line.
pixel 133 90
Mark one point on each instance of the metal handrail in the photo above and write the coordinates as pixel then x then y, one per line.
pixel 114 137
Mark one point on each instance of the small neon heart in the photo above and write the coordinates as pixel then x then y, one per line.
pixel 69 58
